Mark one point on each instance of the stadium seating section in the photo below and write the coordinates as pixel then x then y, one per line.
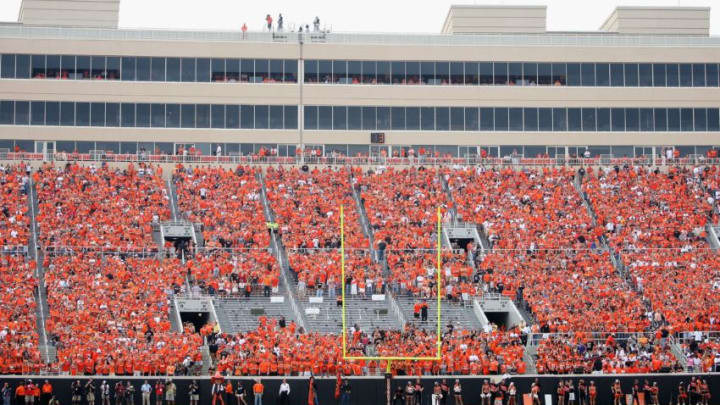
pixel 612 266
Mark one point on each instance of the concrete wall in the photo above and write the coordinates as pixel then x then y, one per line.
pixel 659 20
pixel 474 19
pixel 70 13
pixel 369 95
pixel 372 390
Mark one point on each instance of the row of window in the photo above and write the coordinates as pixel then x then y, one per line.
pixel 511 119
pixel 521 74
pixel 13 66
pixel 148 115
pixel 130 68
pixel 526 119
pixel 244 149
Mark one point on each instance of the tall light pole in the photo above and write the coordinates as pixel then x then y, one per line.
pixel 301 104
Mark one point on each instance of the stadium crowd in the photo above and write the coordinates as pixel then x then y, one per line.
pixel 402 205
pixel 99 208
pixel 226 203
pixel 307 208
pixel 109 313
pixel 14 221
pixel 656 224
pixel 276 348
pixel 546 250
pixel 19 341
pixel 579 353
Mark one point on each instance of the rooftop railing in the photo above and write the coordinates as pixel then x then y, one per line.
pixel 579 39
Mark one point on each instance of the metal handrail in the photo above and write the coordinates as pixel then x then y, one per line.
pixel 363 160
pixel 14 249
pixel 109 251
pixel 583 39
pixel 396 308
pixel 593 335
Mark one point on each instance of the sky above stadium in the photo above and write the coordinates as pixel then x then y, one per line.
pixel 354 16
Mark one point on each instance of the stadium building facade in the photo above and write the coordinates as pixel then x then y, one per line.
pixel 495 82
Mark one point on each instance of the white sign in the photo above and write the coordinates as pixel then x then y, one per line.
pixel 316 300
pixel 378 297
pixel 312 311
pixel 277 299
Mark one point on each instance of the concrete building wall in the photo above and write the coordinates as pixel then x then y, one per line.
pixel 474 19
pixel 70 13
pixel 667 54
pixel 183 135
pixel 659 20
pixel 531 49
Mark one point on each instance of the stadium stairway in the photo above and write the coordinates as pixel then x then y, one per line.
pixel 458 314
pixel 47 350
pixel 287 279
pixel 529 356
pixel 178 218
pixel 712 232
pixel 446 188
pixel 157 237
pixel 618 264
pixel 172 196
pixel 364 221
pixel 615 257
pixel 392 304
pixel 174 316
pixel 324 315
pixel 482 241
pixel 240 314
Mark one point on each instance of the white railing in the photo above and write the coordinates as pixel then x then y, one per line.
pixel 104 251
pixel 685 337
pixel 395 308
pixel 477 308
pixel 178 319
pixel 14 250
pixel 361 160
pixel 584 39
pixel 596 336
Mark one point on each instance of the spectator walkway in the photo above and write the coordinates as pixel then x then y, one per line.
pixel 46 349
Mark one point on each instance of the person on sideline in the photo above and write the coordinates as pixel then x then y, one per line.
pixel 194 392
pixel 258 389
pixel 345 391
pixel 90 392
pixel 284 393
pixel 145 391
pixel 312 393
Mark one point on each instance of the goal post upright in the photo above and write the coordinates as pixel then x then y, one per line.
pixel 439 282
pixel 342 279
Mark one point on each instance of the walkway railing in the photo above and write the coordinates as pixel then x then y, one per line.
pixel 605 160
pixel 582 39
pixel 595 336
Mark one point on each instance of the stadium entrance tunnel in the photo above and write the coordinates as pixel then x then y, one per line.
pixel 499 318
pixel 460 243
pixel 181 245
pixel 197 319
